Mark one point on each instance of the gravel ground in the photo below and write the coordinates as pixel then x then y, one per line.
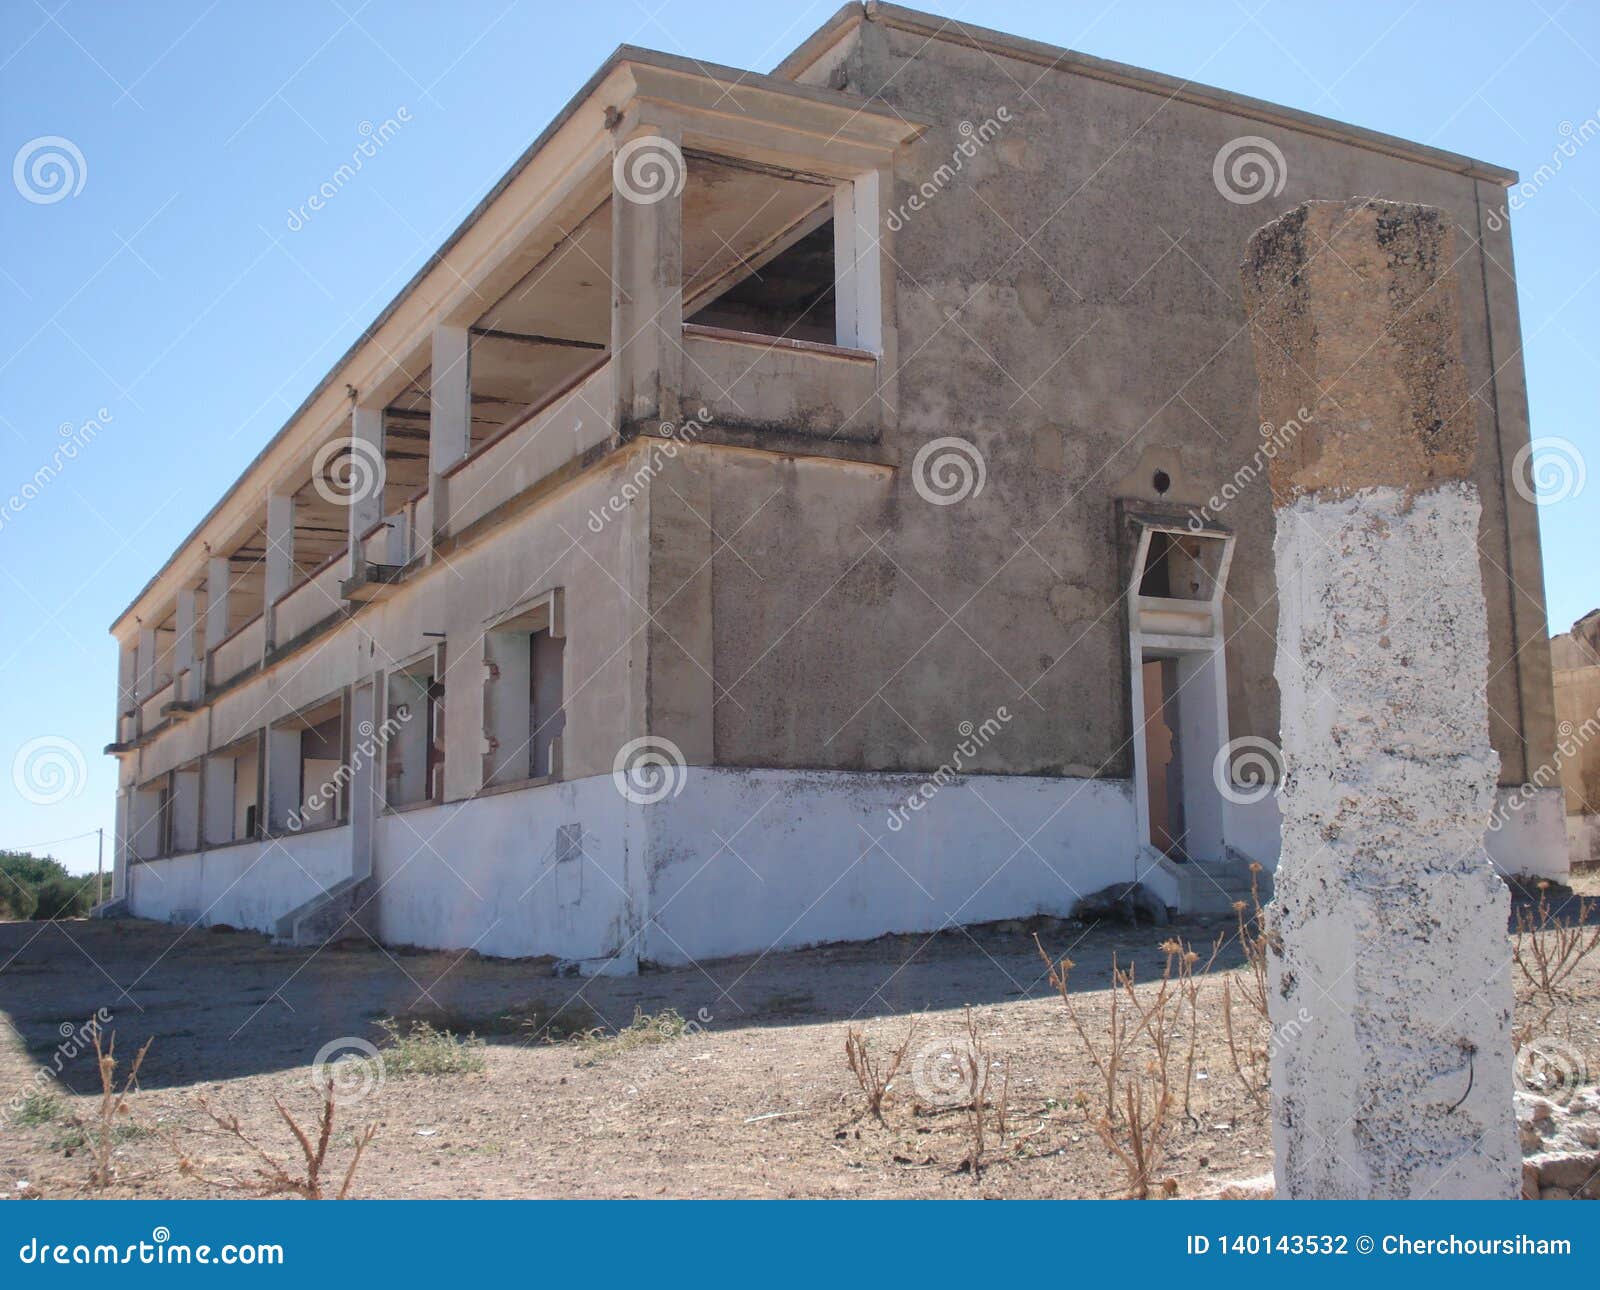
pixel 753 1099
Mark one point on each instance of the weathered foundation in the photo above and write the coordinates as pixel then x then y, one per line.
pixel 1391 998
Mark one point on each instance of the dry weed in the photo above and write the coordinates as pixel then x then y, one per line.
pixel 104 1132
pixel 874 1077
pixel 270 1177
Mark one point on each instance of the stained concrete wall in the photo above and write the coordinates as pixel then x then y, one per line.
pixel 1079 365
pixel 1576 658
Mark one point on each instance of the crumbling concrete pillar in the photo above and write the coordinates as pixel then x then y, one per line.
pixel 1391 992
pixel 449 419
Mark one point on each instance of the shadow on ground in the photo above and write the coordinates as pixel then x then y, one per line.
pixel 225 1004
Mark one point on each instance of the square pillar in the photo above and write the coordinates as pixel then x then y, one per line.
pixel 218 590
pixel 647 177
pixel 183 649
pixel 145 673
pixel 858 263
pixel 449 417
pixel 280 554
pixel 367 475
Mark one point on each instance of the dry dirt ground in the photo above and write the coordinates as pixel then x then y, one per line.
pixel 754 1100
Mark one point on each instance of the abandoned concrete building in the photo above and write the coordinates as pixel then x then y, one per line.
pixel 1575 660
pixel 793 508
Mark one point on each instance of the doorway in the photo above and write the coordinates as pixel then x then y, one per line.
pixel 1163 757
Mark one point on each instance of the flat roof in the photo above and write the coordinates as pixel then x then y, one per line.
pixel 1037 52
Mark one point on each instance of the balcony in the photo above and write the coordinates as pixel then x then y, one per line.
pixel 770 383
pixel 238 652
pixel 150 709
pixel 556 431
pixel 303 606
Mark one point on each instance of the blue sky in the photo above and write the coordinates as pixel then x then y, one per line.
pixel 171 292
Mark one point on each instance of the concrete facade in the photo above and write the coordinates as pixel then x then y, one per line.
pixel 806 566
pixel 1575 659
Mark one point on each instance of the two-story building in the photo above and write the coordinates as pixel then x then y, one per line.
pixel 791 508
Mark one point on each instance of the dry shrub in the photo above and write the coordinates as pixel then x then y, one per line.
pixel 1547 949
pixel 874 1077
pixel 1109 1056
pixel 106 1129
pixel 1135 1056
pixel 976 1066
pixel 1249 1036
pixel 270 1177
pixel 646 1030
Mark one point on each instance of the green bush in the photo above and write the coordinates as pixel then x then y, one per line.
pixel 39 887
pixel 62 898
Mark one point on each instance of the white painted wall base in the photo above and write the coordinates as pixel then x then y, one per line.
pixel 744 861
pixel 251 885
pixel 1583 839
pixel 732 862
pixel 1527 833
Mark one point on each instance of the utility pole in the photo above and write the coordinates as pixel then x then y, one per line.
pixel 100 866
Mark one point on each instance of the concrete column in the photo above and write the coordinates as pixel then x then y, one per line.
pixel 120 845
pixel 183 649
pixel 218 589
pixel 366 501
pixel 367 738
pixel 647 273
pixel 449 417
pixel 280 555
pixel 858 263
pixel 282 776
pixel 127 680
pixel 145 674
pixel 1391 993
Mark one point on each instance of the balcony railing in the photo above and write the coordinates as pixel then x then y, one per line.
pixel 764 382
pixel 150 709
pixel 237 652
pixel 303 606
pixel 550 434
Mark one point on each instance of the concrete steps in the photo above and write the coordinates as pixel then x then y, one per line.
pixel 1212 887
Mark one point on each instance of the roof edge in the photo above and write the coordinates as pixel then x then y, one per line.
pixel 623 54
pixel 1044 55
